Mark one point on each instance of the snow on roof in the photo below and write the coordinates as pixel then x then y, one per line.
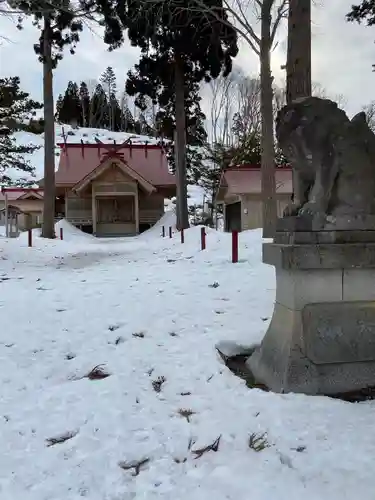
pixel 72 136
pixel 16 193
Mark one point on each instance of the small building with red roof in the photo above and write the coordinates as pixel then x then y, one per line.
pixel 104 189
pixel 23 206
pixel 240 195
pixel 113 189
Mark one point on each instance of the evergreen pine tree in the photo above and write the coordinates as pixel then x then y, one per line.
pixel 16 108
pixel 85 104
pixel 71 108
pixel 58 27
pixel 179 46
pixel 364 12
pixel 128 123
pixel 196 135
pixel 108 81
pixel 59 104
pixel 127 119
pixel 115 112
pixel 99 117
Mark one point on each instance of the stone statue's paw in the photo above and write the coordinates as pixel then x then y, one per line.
pixel 291 210
pixel 311 209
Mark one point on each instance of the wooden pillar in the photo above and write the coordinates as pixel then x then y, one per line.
pixel 234 247
pixel 203 238
pixel 66 204
pixel 136 203
pixel 93 209
pixel 6 215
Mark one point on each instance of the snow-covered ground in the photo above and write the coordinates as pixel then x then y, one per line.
pixel 151 311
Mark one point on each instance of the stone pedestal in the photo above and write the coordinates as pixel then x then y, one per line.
pixel 321 339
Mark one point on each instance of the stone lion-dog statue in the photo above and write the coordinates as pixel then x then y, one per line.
pixel 332 157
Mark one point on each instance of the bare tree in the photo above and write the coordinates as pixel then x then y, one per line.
pixel 235 108
pixel 270 13
pixel 147 117
pixel 243 15
pixel 318 90
pixel 279 99
pixel 269 207
pixel 124 106
pixel 369 109
pixel 59 22
pixel 91 85
pixel 222 108
pixel 248 116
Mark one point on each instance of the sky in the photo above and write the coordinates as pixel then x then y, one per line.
pixel 342 57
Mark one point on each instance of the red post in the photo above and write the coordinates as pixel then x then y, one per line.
pixel 170 231
pixel 234 247
pixel 30 238
pixel 182 236
pixel 163 231
pixel 61 234
pixel 203 238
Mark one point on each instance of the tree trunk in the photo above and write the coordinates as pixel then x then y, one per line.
pixel 180 147
pixel 48 227
pixel 298 65
pixel 269 207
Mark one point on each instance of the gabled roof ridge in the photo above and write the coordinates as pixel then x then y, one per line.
pixel 114 160
pixel 77 161
pixel 95 145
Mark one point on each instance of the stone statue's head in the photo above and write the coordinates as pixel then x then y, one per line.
pixel 306 127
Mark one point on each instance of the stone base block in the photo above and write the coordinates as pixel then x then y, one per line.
pixel 321 339
pixel 323 237
pixel 334 222
pixel 321 256
pixel 323 349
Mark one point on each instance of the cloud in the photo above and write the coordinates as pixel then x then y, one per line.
pixel 342 56
pixel 92 57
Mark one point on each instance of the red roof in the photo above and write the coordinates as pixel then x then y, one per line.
pixel 245 180
pixel 16 193
pixel 77 161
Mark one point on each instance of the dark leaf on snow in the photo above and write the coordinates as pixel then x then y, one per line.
pixel 61 438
